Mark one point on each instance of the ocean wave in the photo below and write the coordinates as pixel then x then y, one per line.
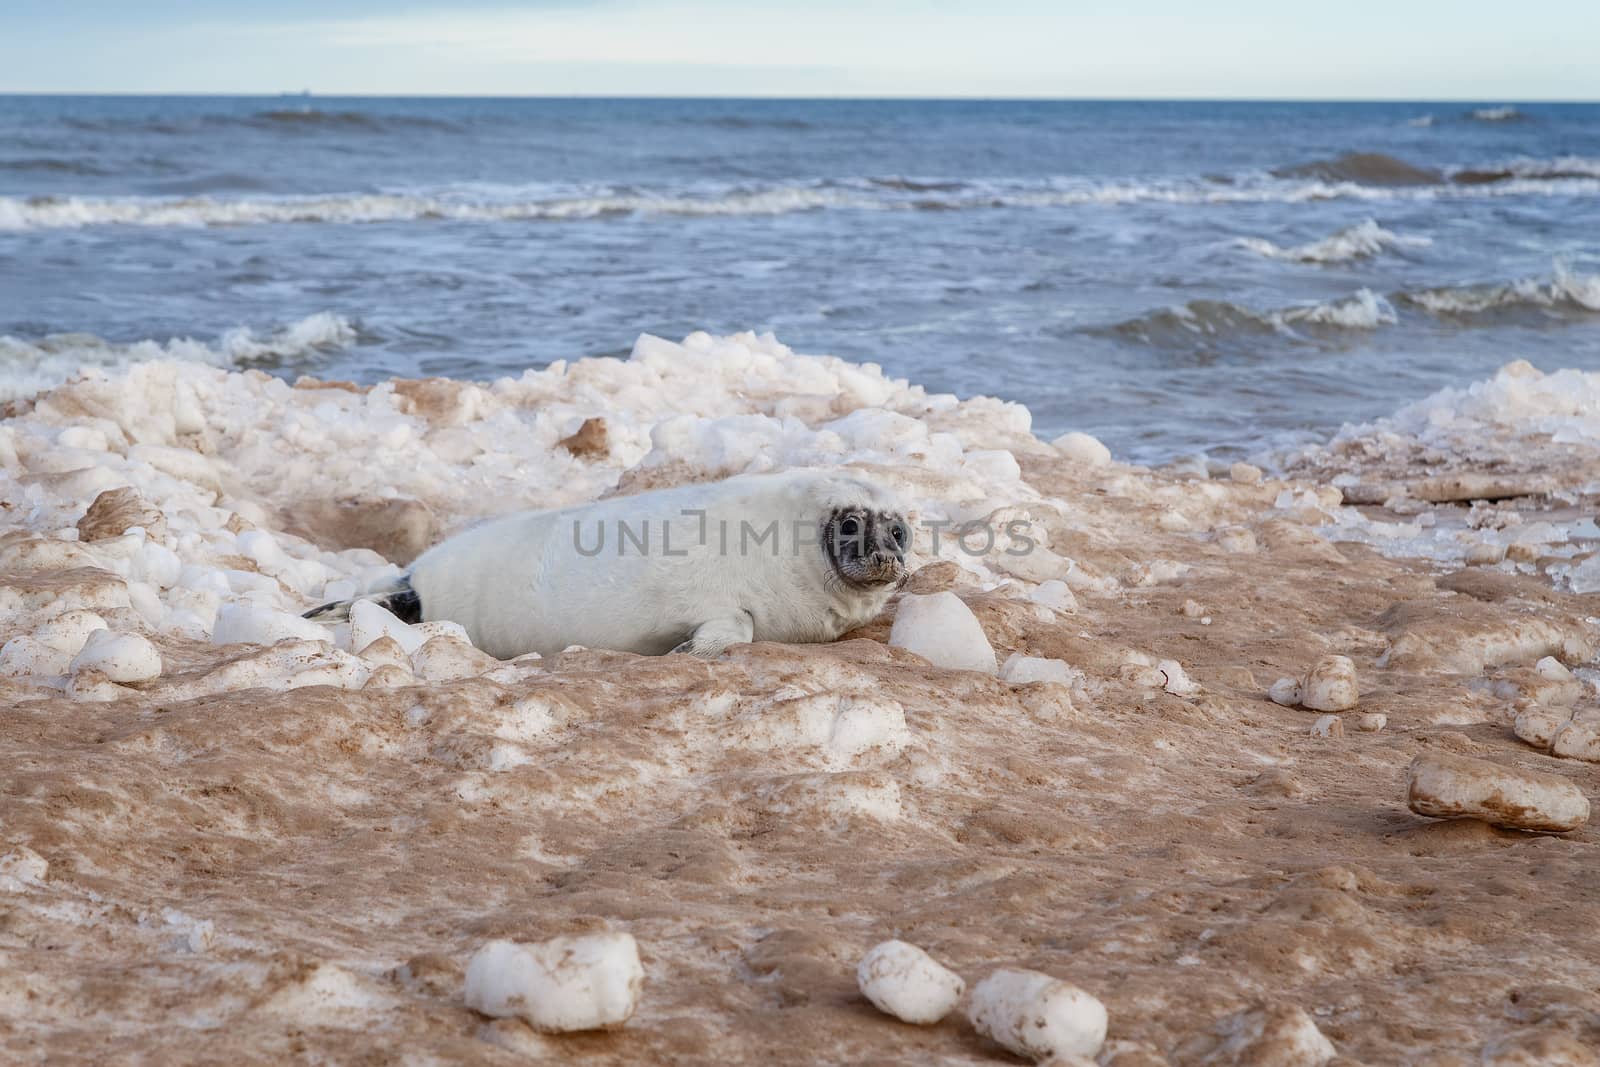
pixel 915 185
pixel 50 165
pixel 287 119
pixel 1377 169
pixel 1504 113
pixel 1565 292
pixel 1215 323
pixel 72 212
pixel 27 366
pixel 1570 167
pixel 1423 121
pixel 313 118
pixel 476 204
pixel 744 122
pixel 129 124
pixel 1220 321
pixel 1361 241
pixel 1363 168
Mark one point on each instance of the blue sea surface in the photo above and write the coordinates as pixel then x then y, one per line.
pixel 1172 277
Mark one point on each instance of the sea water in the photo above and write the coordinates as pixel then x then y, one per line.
pixel 1171 277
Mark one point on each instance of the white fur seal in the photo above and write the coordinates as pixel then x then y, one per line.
pixel 801 556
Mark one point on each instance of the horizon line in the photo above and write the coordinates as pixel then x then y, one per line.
pixel 795 98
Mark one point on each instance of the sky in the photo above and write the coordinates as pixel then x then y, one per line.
pixel 1350 49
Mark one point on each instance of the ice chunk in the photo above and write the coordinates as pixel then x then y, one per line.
pixel 1330 685
pixel 120 657
pixel 1278 1033
pixel 902 980
pixel 446 659
pixel 569 983
pixel 180 463
pixel 389 676
pixel 385 651
pixel 1082 449
pixel 1056 595
pixel 1538 726
pixel 370 621
pixel 262 548
pixel 1442 785
pixel 25 655
pixel 1175 680
pixel 1553 670
pixel 1578 739
pixel 1037 1016
pixel 1285 691
pixel 1022 670
pixel 442 628
pixel 285 665
pixel 68 631
pixel 942 630
pixel 246 624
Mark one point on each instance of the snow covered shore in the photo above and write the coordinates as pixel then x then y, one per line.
pixel 229 832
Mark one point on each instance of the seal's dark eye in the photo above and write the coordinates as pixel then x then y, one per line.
pixel 899 533
pixel 850 528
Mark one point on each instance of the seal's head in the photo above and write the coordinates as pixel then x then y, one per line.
pixel 866 547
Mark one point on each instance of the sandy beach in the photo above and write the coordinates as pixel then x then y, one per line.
pixel 269 845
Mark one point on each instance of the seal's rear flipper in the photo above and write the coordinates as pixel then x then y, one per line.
pixel 335 612
pixel 400 600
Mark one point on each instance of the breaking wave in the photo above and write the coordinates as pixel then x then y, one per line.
pixel 890 193
pixel 1220 321
pixel 27 366
pixel 1361 241
pixel 1566 292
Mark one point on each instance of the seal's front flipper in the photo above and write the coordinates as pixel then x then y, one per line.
pixel 710 638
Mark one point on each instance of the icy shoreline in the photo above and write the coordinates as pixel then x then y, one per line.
pixel 311 833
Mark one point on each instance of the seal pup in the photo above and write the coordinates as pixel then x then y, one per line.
pixel 800 557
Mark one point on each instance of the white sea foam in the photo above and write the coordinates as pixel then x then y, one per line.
pixel 476 203
pixel 29 366
pixel 1360 241
pixel 1504 113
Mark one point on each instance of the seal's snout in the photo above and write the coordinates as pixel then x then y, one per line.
pixel 885 564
